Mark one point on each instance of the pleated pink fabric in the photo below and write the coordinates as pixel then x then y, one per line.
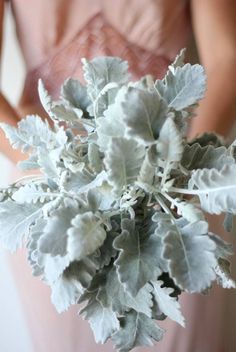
pixel 54 35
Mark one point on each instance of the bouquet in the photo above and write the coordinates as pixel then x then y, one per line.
pixel 116 217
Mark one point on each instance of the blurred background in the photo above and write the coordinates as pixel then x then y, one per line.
pixel 13 333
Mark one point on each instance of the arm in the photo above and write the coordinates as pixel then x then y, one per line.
pixel 7 112
pixel 214 24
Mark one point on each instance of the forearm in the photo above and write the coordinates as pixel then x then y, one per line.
pixel 217 111
pixel 8 115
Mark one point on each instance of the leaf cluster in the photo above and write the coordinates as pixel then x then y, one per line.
pixel 116 217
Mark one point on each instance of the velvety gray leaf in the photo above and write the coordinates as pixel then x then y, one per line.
pixel 29 164
pixel 183 86
pixel 31 193
pixel 147 172
pixel 66 113
pixel 170 144
pixel 111 123
pixel 53 266
pixel 167 304
pixel 216 189
pixel 121 300
pixel 44 97
pixel 138 260
pixel 95 158
pixel 223 274
pixel 190 253
pixel 123 161
pixel 100 72
pixel 197 157
pixel 85 236
pixel 179 60
pixel 36 232
pixel 228 222
pixel 223 248
pixel 189 211
pixel 74 93
pixel 54 239
pixel 136 330
pixel 33 132
pixel 208 138
pixel 102 320
pixel 15 221
pixel 82 271
pixel 144 115
pixel 64 293
pixel 73 182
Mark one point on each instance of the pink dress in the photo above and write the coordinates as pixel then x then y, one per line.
pixel 54 35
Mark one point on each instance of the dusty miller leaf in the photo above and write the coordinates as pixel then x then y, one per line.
pixel 170 144
pixel 138 261
pixel 54 239
pixel 216 189
pixel 123 161
pixel 144 115
pixel 15 221
pixel 197 157
pixel 190 253
pixel 33 132
pixel 102 320
pixel 74 93
pixel 182 87
pixel 136 330
pixel 85 236
pixel 65 292
pixel 122 301
pixel 167 304
pixel 31 193
pixel 111 123
pixel 222 271
pixel 100 72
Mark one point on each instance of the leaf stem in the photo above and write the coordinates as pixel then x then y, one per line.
pixel 165 207
pixel 28 177
pixel 185 190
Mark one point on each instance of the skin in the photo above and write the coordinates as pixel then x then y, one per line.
pixel 215 32
pixel 8 113
pixel 214 25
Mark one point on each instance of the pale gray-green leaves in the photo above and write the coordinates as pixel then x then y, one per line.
pixel 183 86
pixel 54 239
pixel 170 145
pixel 136 330
pixel 190 253
pixel 121 300
pixel 216 189
pixel 102 319
pixel 33 132
pixel 65 292
pixel 138 259
pixel 144 115
pixel 75 95
pixel 109 220
pixel 85 235
pixel 123 161
pixel 111 123
pixel 166 303
pixel 15 220
pixel 104 75
pixel 222 271
pixel 197 157
pixel 32 193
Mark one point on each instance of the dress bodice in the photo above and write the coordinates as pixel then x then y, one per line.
pixel 54 35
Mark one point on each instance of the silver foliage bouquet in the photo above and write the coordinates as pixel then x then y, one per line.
pixel 116 218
